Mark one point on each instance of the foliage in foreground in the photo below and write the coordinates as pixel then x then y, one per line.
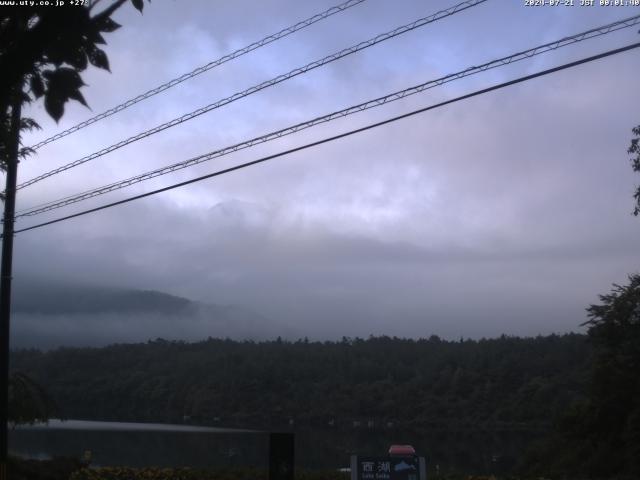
pixel 28 401
pixel 56 469
pixel 126 473
pixel 151 473
pixel 43 52
pixel 72 469
pixel 634 150
pixel 600 438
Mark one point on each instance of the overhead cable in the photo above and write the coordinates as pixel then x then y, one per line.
pixel 204 68
pixel 274 81
pixel 337 137
pixel 565 41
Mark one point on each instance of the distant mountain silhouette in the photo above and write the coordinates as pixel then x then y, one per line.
pixel 35 296
pixel 48 315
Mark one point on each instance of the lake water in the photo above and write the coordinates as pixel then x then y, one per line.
pixel 144 444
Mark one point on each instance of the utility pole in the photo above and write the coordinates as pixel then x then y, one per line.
pixel 13 147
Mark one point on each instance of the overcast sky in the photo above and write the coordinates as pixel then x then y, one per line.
pixel 506 213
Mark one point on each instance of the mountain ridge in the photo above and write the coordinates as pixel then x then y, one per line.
pixel 49 315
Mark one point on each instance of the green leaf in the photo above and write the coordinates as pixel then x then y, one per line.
pixel 94 37
pixel 99 59
pixel 37 85
pixel 63 84
pixel 77 96
pixel 78 59
pixel 107 25
pixel 67 77
pixel 56 52
pixel 138 4
pixel 29 124
pixel 54 106
pixel 25 152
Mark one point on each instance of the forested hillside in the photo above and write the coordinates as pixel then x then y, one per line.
pixel 512 383
pixel 49 315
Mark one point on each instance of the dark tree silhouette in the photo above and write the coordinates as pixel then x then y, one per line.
pixel 506 383
pixel 634 149
pixel 614 411
pixel 600 437
pixel 28 401
pixel 43 51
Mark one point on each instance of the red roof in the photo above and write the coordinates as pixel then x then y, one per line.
pixel 402 450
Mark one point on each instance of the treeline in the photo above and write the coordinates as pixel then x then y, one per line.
pixel 503 383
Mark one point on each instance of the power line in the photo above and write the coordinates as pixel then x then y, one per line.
pixel 594 32
pixel 339 136
pixel 274 81
pixel 215 63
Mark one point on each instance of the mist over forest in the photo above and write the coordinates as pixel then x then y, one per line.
pixel 49 315
pixel 52 315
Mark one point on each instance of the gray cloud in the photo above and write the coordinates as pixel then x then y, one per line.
pixel 507 213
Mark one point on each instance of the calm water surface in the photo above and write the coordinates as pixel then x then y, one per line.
pixel 148 444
